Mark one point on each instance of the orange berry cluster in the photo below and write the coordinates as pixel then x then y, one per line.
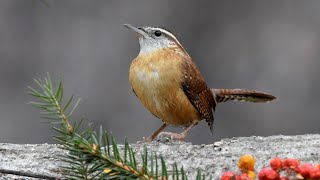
pixel 280 169
pixel 246 167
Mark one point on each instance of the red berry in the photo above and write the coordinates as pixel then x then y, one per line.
pixel 268 174
pixel 243 176
pixel 263 174
pixel 276 164
pixel 290 163
pixel 229 175
pixel 315 173
pixel 304 170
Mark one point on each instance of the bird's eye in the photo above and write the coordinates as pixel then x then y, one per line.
pixel 157 33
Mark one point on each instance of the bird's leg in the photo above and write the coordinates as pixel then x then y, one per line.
pixel 177 136
pixel 155 134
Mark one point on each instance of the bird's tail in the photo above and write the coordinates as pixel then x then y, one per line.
pixel 224 95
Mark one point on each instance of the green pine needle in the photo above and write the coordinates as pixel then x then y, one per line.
pixel 94 155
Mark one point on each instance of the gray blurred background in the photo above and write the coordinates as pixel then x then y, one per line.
pixel 272 46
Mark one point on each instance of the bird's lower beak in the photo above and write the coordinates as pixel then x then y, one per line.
pixel 138 30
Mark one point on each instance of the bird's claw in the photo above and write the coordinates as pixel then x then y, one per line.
pixel 169 137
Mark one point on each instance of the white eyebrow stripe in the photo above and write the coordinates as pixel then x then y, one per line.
pixel 172 36
pixel 168 33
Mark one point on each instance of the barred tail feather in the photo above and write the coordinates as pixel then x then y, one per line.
pixel 224 95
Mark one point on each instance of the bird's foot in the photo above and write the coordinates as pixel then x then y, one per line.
pixel 169 136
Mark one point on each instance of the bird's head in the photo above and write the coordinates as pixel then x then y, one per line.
pixel 152 39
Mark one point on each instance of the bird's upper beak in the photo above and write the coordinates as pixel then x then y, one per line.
pixel 138 30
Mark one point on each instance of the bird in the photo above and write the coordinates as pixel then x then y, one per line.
pixel 168 83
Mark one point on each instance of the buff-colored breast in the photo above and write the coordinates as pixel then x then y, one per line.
pixel 156 80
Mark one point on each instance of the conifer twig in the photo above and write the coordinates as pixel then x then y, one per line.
pixel 86 159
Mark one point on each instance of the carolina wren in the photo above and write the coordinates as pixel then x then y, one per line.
pixel 168 83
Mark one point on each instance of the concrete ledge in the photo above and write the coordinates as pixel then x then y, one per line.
pixel 211 159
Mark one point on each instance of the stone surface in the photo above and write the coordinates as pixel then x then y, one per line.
pixel 211 159
pixel 41 159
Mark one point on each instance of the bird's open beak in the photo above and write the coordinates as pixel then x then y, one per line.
pixel 138 30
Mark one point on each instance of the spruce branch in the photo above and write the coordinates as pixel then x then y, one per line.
pixel 93 155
